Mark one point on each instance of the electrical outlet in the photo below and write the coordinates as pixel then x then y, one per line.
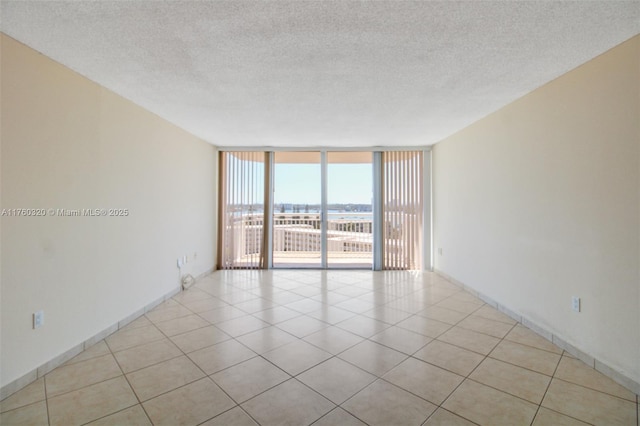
pixel 575 303
pixel 440 251
pixel 180 263
pixel 38 319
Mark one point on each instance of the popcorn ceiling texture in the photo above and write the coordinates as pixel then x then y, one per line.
pixel 329 74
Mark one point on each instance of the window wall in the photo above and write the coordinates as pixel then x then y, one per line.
pixel 324 209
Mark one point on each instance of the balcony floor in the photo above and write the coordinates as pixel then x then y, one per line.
pixel 338 260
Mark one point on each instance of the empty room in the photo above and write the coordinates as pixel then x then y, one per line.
pixel 319 213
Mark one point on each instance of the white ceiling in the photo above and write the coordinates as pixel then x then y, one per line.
pixel 304 74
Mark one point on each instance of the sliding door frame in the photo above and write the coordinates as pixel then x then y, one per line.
pixel 377 211
pixel 324 218
pixel 267 222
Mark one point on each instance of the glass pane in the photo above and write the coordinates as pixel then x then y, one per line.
pixel 296 210
pixel 349 209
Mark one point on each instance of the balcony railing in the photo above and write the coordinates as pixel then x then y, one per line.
pixel 346 233
pixel 297 237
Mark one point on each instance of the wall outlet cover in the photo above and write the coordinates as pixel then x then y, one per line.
pixel 38 319
pixel 575 303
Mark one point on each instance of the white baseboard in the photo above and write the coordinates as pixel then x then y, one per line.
pixel 591 361
pixel 35 374
pixel 13 387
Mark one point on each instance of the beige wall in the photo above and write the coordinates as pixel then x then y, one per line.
pixel 540 201
pixel 69 143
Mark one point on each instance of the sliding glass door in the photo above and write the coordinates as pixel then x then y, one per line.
pixel 297 210
pixel 350 210
pixel 322 212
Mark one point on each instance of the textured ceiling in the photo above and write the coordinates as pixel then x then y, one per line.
pixel 306 74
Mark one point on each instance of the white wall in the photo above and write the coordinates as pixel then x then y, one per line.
pixel 68 143
pixel 540 201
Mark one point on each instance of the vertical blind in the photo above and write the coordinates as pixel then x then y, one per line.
pixel 243 179
pixel 402 209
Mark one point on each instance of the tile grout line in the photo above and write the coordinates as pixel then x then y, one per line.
pixel 183 354
pixel 84 386
pixel 127 379
pixel 132 346
pixel 395 366
pixel 226 411
pixel 555 370
pixel 592 389
pixel 116 412
pixel 46 398
pixel 467 377
pixel 519 366
pixel 234 338
pixel 31 404
pixel 455 414
pixel 311 367
pixel 95 383
pixel 191 382
pixel 326 414
pixel 183 385
pixel 571 417
pixel 267 360
pixel 407 355
pixel 489 355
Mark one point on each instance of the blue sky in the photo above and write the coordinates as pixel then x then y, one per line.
pixel 300 183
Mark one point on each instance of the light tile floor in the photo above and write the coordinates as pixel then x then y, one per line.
pixel 304 347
